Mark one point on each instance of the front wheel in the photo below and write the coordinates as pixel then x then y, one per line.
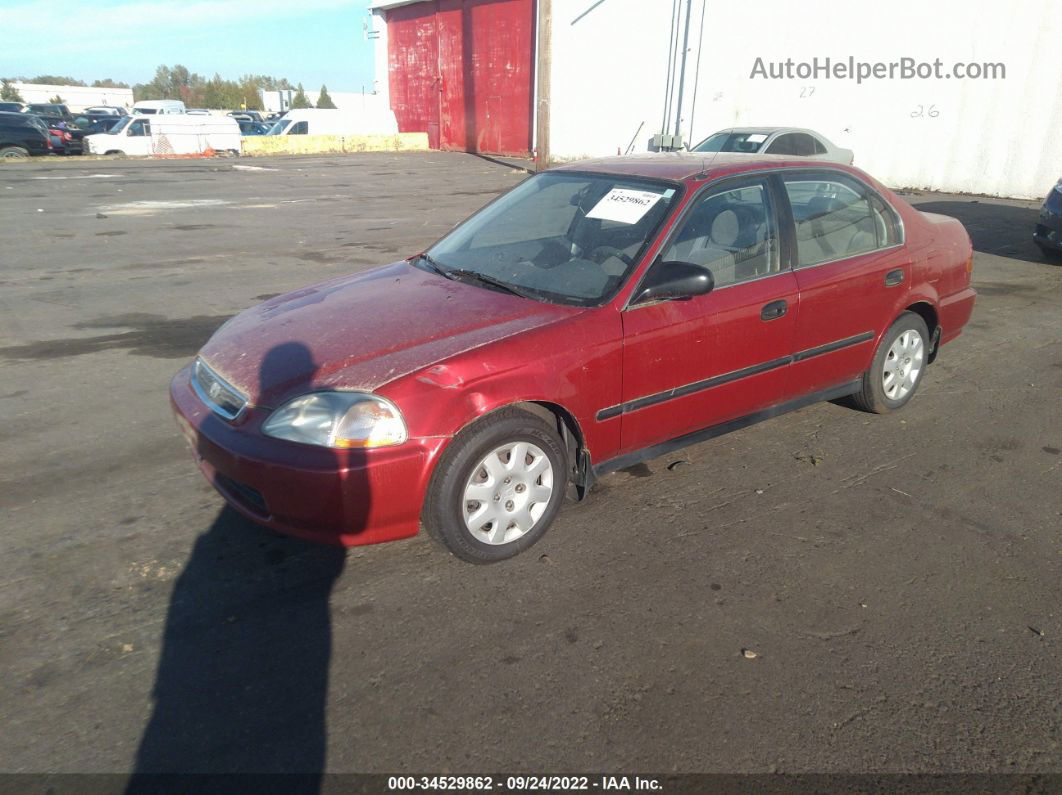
pixel 498 487
pixel 898 366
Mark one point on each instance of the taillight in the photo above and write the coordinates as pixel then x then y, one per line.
pixel 67 136
pixel 48 140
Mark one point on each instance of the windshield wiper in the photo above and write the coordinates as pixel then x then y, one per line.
pixel 463 275
pixel 434 265
pixel 474 276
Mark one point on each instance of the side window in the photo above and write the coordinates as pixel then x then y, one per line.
pixel 140 127
pixel 837 217
pixel 782 145
pixel 820 149
pixel 803 144
pixel 732 233
pixel 299 128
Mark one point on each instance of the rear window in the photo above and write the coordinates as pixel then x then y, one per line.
pixel 747 142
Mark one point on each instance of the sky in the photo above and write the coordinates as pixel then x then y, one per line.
pixel 314 42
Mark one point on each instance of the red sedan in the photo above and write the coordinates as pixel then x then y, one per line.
pixel 595 316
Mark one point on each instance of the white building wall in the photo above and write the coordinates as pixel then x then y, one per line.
pixel 77 98
pixel 996 137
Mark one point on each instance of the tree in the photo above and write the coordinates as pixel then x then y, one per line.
pixel 57 100
pixel 300 100
pixel 8 93
pixel 108 83
pixel 55 80
pixel 325 101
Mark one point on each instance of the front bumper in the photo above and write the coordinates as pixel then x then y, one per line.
pixel 346 497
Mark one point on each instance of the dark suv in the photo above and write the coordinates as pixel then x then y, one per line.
pixel 21 137
pixel 51 112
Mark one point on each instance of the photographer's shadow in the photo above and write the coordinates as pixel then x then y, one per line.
pixel 242 680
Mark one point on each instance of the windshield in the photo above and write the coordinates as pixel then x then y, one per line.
pixel 563 237
pixel 278 127
pixel 121 125
pixel 732 142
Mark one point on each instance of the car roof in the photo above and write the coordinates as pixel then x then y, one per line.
pixel 683 166
pixel 767 130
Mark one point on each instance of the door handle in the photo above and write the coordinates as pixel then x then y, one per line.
pixel 773 310
pixel 892 278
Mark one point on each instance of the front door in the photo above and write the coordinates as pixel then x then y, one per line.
pixel 689 364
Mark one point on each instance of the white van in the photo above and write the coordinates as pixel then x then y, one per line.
pixel 167 135
pixel 158 107
pixel 366 121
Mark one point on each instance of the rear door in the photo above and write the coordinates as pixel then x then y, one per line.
pixel 851 269
pixel 694 363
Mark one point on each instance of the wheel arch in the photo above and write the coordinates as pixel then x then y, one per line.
pixel 569 428
pixel 928 313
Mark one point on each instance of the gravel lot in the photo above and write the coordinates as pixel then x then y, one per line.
pixel 898 577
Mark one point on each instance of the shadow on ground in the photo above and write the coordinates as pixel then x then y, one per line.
pixel 998 229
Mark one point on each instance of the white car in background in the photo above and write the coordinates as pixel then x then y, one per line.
pixel 775 141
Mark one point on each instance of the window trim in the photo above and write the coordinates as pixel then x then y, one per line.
pixel 780 214
pixel 868 190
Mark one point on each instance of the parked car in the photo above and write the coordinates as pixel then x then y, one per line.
pixel 158 107
pixel 67 139
pixel 248 127
pixel 314 121
pixel 775 141
pixel 105 110
pixel 22 135
pixel 597 315
pixel 248 115
pixel 97 125
pixel 11 107
pixel 167 134
pixel 51 112
pixel 1048 232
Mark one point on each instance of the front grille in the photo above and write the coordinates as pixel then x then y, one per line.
pixel 219 395
pixel 247 496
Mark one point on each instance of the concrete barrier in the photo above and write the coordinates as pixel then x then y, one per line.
pixel 331 144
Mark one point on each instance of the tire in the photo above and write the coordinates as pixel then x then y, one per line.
pixel 12 152
pixel 884 390
pixel 1050 254
pixel 509 518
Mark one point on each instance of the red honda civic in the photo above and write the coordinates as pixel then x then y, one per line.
pixel 595 316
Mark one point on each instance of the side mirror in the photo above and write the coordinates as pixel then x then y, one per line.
pixel 672 279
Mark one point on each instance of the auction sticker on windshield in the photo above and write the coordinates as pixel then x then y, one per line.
pixel 624 206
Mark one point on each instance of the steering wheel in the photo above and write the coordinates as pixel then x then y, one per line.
pixel 604 252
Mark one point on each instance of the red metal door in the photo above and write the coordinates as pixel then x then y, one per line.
pixel 413 69
pixel 463 70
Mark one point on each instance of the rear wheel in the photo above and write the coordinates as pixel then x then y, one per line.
pixel 898 366
pixel 13 152
pixel 498 487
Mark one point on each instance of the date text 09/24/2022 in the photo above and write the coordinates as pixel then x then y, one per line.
pixel 524 783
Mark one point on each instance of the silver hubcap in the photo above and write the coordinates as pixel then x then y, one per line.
pixel 903 365
pixel 507 493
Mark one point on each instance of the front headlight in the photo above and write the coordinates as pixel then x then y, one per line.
pixel 338 419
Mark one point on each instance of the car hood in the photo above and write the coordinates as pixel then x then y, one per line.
pixel 362 331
